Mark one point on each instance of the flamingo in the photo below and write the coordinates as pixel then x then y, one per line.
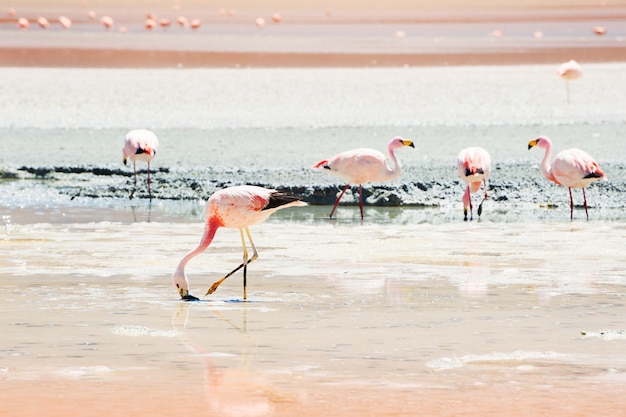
pixel 569 70
pixel 107 22
pixel 43 22
pixel 572 168
pixel 236 207
pixel 65 22
pixel 142 145
pixel 260 22
pixel 362 165
pixel 195 24
pixel 474 166
pixel 23 23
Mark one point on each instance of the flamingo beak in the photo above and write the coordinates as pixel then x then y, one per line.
pixel 124 160
pixel 532 143
pixel 408 142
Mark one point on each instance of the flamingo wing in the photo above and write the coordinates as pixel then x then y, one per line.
pixel 358 166
pixel 575 168
pixel 474 166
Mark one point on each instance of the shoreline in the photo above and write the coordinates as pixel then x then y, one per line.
pixel 127 58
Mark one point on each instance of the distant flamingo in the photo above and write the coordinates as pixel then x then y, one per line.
pixel 182 21
pixel 277 18
pixel 165 22
pixel 569 70
pixel 150 24
pixel 260 22
pixel 474 165
pixel 65 22
pixel 572 168
pixel 195 24
pixel 238 208
pixel 43 22
pixel 140 145
pixel 599 30
pixel 23 23
pixel 362 165
pixel 107 22
pixel 91 15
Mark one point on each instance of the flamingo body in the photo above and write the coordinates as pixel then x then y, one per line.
pixel 474 166
pixel 572 168
pixel 362 165
pixel 238 208
pixel 140 145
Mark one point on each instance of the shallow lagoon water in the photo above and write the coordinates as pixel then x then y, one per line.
pixel 383 318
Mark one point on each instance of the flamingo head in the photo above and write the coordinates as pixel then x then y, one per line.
pixel 541 141
pixel 399 142
pixel 182 286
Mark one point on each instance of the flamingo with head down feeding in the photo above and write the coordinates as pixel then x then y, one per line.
pixel 362 165
pixel 474 165
pixel 236 207
pixel 140 145
pixel 572 168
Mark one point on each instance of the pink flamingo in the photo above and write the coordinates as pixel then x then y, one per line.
pixel 195 24
pixel 474 166
pixel 142 145
pixel 569 70
pixel 572 168
pixel 238 208
pixel 107 22
pixel 65 22
pixel 23 23
pixel 182 21
pixel 43 22
pixel 362 165
pixel 150 24
pixel 260 22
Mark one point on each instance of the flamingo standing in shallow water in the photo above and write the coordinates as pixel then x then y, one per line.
pixel 474 166
pixel 569 70
pixel 362 165
pixel 140 145
pixel 572 168
pixel 238 208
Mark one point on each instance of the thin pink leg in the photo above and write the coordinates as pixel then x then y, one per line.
pixel 585 202
pixel 361 200
pixel 571 205
pixel 337 200
pixel 149 191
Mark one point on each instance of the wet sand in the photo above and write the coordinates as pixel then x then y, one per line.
pixel 420 322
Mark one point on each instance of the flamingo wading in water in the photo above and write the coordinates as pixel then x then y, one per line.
pixel 474 166
pixel 237 208
pixel 362 165
pixel 140 145
pixel 572 168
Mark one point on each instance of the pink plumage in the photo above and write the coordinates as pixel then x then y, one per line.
pixel 238 208
pixel 572 168
pixel 140 145
pixel 359 166
pixel 474 167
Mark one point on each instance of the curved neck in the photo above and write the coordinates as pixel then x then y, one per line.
pixel 207 238
pixel 393 171
pixel 546 169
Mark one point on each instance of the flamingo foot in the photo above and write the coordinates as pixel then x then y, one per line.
pixel 464 214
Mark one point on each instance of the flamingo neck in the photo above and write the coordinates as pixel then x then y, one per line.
pixel 546 168
pixel 207 238
pixel 395 170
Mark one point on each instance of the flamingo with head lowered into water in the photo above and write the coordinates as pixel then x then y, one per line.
pixel 236 207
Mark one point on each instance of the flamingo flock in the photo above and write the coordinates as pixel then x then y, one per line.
pixel 151 21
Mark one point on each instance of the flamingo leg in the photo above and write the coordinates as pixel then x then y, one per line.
pixel 337 200
pixel 149 191
pixel 571 205
pixel 361 200
pixel 585 203
pixel 480 206
pixel 132 194
pixel 244 264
